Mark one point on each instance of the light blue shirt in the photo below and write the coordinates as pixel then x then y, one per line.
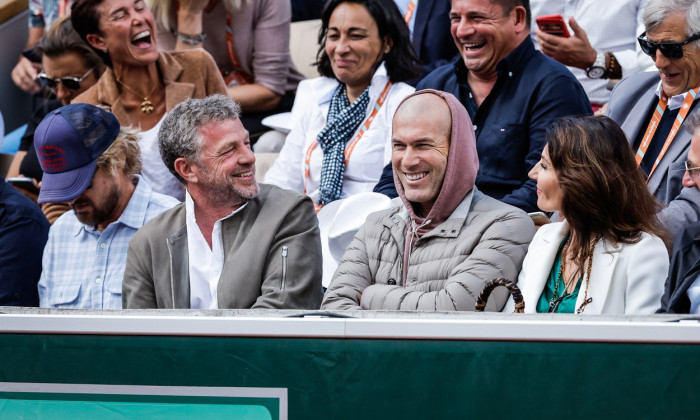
pixel 83 267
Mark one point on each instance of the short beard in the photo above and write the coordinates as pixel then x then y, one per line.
pixel 99 215
pixel 225 192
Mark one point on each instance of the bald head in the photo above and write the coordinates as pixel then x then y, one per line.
pixel 425 107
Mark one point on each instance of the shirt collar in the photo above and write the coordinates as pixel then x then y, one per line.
pixel 189 208
pixel 134 215
pixel 674 102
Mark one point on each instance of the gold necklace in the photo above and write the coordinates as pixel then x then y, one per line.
pixel 146 105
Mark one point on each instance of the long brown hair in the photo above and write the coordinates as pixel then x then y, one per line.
pixel 604 195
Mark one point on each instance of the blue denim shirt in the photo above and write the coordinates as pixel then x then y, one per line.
pixel 530 92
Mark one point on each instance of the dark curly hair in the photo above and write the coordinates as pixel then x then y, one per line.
pixel 402 63
pixel 604 194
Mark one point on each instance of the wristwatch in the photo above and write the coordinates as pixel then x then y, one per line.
pixel 597 69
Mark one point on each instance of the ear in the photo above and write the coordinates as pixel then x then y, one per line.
pixel 520 19
pixel 388 44
pixel 96 41
pixel 186 170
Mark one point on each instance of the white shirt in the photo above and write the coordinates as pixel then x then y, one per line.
pixel 206 263
pixel 674 102
pixel 610 26
pixel 370 155
pixel 153 169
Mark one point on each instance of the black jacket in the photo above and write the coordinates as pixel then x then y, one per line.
pixel 684 269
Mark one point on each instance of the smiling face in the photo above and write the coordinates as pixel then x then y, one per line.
pixel 420 145
pixel 677 76
pixel 484 35
pixel 353 45
pixel 225 168
pixel 549 193
pixel 127 32
pixel 70 64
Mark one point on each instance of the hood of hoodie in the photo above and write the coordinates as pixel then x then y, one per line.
pixel 460 173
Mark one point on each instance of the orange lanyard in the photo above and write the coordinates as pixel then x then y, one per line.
pixel 351 145
pixel 654 124
pixel 409 11
pixel 63 7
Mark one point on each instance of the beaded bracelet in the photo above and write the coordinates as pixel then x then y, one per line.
pixel 191 39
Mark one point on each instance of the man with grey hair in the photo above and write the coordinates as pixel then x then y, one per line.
pixel 682 290
pixel 232 243
pixel 651 107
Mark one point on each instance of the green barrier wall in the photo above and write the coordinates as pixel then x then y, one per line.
pixel 364 378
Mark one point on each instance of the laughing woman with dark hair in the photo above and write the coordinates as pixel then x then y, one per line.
pixel 608 255
pixel 341 134
pixel 141 85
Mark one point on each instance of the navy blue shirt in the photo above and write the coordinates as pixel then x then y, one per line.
pixel 530 92
pixel 23 234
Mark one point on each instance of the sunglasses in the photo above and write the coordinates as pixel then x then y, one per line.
pixel 671 50
pixel 72 83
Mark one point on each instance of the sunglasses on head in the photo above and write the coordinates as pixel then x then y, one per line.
pixel 672 50
pixel 72 83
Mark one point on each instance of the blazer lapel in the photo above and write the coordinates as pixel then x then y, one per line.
pixel 637 122
pixel 175 92
pixel 544 253
pixel 179 269
pixel 605 259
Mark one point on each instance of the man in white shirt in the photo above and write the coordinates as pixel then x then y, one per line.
pixel 603 41
pixel 233 243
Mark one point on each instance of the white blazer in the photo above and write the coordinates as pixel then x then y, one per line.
pixel 625 278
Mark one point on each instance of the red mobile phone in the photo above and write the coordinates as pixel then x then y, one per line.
pixel 553 24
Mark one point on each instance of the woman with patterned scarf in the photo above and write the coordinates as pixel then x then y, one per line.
pixel 341 134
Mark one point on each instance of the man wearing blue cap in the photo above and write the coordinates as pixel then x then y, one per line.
pixel 90 163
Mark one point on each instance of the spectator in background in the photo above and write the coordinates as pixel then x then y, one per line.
pixel 232 244
pixel 341 136
pixel 511 92
pixel 603 43
pixel 607 256
pixel 70 68
pixel 42 14
pixel 91 164
pixel 651 107
pixel 436 249
pixel 141 85
pixel 430 34
pixel 24 230
pixel 307 9
pixel 248 39
pixel 682 290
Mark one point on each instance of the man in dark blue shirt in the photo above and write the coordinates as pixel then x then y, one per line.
pixel 511 91
pixel 23 234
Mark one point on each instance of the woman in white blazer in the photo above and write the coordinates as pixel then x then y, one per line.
pixel 608 255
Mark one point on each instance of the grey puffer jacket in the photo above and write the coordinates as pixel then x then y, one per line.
pixel 483 239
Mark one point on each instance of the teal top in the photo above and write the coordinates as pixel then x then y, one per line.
pixel 567 305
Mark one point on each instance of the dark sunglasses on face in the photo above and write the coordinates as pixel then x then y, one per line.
pixel 72 83
pixel 671 50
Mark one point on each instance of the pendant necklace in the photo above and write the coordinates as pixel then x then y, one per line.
pixel 146 105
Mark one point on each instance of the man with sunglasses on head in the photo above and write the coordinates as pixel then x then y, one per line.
pixel 652 107
pixel 90 163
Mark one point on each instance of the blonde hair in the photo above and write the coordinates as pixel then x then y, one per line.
pixel 161 10
pixel 124 154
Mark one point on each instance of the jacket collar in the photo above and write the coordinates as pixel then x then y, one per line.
pixel 510 65
pixel 169 69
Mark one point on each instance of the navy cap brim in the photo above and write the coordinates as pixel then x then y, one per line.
pixel 65 186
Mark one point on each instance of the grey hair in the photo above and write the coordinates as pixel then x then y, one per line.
pixel 179 135
pixel 692 122
pixel 659 10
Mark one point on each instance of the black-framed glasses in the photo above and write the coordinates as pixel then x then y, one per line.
pixel 692 170
pixel 672 50
pixel 72 83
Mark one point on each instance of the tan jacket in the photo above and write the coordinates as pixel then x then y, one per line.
pixel 186 74
pixel 157 265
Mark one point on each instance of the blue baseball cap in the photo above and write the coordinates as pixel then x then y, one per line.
pixel 68 142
